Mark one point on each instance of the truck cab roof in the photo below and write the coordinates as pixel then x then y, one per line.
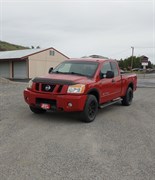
pixel 88 59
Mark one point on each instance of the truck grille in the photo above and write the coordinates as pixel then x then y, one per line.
pixel 37 86
pixel 60 88
pixel 48 87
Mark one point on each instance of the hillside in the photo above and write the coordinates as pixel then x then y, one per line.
pixel 5 46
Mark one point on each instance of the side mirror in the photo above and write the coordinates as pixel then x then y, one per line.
pixel 109 74
pixel 102 75
pixel 50 70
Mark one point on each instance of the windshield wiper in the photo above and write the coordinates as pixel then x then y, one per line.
pixel 76 73
pixel 58 72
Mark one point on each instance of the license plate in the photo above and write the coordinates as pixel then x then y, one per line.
pixel 45 106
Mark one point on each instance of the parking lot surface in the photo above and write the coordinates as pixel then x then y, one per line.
pixel 119 144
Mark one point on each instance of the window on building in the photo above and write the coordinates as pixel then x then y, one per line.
pixel 52 53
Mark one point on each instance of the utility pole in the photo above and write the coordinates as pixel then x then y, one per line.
pixel 132 57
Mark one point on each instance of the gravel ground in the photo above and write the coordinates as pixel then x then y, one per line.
pixel 118 145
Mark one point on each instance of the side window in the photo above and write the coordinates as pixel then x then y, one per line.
pixel 106 67
pixel 114 68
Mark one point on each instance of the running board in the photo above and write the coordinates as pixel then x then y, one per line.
pixel 110 103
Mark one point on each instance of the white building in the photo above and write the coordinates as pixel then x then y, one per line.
pixel 29 63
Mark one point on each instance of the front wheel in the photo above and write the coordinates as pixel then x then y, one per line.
pixel 90 110
pixel 37 110
pixel 127 99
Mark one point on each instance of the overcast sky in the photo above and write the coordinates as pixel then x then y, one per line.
pixel 81 27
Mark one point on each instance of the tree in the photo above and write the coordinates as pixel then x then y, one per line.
pixel 150 65
pixel 126 63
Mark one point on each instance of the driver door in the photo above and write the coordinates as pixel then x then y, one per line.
pixel 106 84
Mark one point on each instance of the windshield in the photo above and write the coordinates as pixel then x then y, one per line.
pixel 81 68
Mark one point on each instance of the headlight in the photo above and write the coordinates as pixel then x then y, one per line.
pixel 78 88
pixel 30 84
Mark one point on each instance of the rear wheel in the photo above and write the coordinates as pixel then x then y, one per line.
pixel 90 110
pixel 37 110
pixel 127 99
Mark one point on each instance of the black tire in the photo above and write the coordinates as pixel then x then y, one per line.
pixel 90 110
pixel 37 110
pixel 127 99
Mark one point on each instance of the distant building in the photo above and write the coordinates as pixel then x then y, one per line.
pixel 29 63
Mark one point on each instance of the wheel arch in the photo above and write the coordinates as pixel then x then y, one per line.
pixel 130 85
pixel 94 92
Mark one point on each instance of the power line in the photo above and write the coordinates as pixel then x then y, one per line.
pixel 135 47
pixel 144 47
pixel 120 52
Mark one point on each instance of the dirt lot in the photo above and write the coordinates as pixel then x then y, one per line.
pixel 119 144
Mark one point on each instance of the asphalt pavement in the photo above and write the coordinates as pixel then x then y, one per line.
pixel 146 80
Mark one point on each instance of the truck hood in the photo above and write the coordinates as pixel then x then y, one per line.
pixel 64 79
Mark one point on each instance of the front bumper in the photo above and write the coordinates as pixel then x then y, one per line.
pixel 58 102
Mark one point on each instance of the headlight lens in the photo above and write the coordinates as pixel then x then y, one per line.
pixel 78 88
pixel 30 84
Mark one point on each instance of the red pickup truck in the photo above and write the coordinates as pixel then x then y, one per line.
pixel 81 85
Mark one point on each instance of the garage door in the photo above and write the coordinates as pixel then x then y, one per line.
pixel 5 69
pixel 19 70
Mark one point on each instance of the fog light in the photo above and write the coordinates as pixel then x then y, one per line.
pixel 70 104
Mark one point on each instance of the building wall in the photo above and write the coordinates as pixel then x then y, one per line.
pixel 40 63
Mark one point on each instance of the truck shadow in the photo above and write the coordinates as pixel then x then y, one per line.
pixel 110 108
pixel 58 117
pixel 67 117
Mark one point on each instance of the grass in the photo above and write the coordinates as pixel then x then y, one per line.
pixel 5 46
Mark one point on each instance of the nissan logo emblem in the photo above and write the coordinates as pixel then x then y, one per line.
pixel 47 88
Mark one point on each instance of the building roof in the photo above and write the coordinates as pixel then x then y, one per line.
pixel 17 54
